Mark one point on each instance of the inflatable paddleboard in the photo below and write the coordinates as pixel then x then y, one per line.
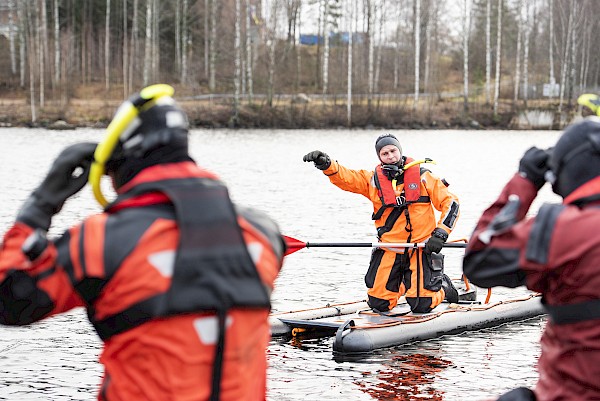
pixel 358 329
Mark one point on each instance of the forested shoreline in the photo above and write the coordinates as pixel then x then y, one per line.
pixel 300 63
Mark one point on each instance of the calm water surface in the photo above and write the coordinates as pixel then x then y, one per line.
pixel 57 359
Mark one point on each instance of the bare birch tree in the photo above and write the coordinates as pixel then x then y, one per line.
pixel 498 57
pixel 11 37
pixel 272 44
pixel 148 43
pixel 22 43
pixel 56 43
pixel 431 20
pixel 214 4
pixel 351 29
pixel 397 44
pixel 134 43
pixel 185 39
pixel 566 54
pixel 126 88
pixel 466 24
pixel 237 49
pixel 488 51
pixel 155 50
pixel 417 30
pixel 41 39
pixel 249 54
pixel 45 39
pixel 298 52
pixel 517 73
pixel 207 36
pixel 577 20
pixel 586 49
pixel 371 38
pixel 318 65
pixel 551 47
pixel 107 47
pixel 31 58
pixel 379 43
pixel 528 29
pixel 325 19
pixel 178 35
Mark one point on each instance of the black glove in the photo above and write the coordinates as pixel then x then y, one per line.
pixel 435 243
pixel 58 186
pixel 321 160
pixel 534 165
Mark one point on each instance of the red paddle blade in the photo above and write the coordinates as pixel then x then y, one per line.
pixel 293 245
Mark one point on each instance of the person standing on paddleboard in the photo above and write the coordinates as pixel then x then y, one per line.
pixel 176 280
pixel 555 253
pixel 404 195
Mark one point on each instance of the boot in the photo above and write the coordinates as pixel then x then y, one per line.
pixel 450 290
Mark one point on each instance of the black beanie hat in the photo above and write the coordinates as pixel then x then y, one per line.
pixel 575 159
pixel 387 139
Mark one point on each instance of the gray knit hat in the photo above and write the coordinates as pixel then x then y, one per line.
pixel 387 139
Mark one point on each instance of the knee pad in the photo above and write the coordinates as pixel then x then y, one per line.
pixel 419 305
pixel 378 304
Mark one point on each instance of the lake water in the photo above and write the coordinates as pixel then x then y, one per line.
pixel 57 359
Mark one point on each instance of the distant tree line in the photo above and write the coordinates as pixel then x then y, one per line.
pixel 416 50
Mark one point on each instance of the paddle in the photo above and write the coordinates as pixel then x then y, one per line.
pixel 295 245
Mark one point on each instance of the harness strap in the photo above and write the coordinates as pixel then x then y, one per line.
pixel 422 199
pixel 131 317
pixel 573 313
pixel 220 352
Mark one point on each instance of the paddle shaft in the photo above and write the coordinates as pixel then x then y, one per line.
pixel 377 245
pixel 294 245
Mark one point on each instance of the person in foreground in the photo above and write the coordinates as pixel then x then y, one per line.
pixel 176 280
pixel 555 253
pixel 404 196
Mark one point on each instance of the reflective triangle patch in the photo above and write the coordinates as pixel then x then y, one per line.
pixel 206 327
pixel 164 262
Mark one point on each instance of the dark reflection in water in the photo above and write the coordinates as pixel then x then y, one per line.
pixel 405 377
pixel 482 364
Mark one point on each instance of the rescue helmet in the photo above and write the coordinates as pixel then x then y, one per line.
pixel 387 139
pixel 590 104
pixel 147 129
pixel 575 159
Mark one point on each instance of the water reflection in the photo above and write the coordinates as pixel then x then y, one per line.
pixel 405 377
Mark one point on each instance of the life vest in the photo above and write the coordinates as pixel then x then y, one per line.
pixel 411 193
pixel 213 270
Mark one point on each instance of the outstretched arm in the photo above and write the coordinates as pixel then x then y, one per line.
pixel 356 181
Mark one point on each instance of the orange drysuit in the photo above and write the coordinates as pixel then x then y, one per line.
pixel 392 273
pixel 159 271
